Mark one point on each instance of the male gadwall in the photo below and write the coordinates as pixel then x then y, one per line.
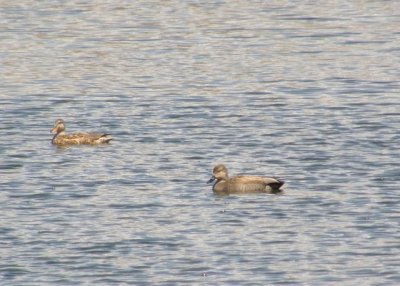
pixel 60 138
pixel 242 184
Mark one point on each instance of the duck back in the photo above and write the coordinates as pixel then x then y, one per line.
pixel 81 139
pixel 248 184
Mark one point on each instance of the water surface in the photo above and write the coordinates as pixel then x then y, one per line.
pixel 307 92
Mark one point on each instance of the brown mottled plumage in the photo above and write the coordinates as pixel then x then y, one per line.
pixel 60 138
pixel 242 184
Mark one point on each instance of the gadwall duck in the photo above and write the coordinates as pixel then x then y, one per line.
pixel 60 138
pixel 242 184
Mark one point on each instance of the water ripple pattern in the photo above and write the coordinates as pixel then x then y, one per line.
pixel 302 90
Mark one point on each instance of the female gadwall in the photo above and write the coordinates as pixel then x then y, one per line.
pixel 242 184
pixel 60 138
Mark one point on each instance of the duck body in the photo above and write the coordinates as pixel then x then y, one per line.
pixel 223 184
pixel 81 138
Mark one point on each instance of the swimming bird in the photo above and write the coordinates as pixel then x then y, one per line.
pixel 60 138
pixel 242 184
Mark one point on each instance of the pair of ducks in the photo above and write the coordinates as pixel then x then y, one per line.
pixel 223 184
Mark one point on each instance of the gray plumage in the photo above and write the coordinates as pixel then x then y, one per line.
pixel 243 184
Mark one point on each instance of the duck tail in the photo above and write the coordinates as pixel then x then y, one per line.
pixel 105 138
pixel 276 186
pixel 280 183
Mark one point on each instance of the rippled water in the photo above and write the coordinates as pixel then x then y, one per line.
pixel 303 90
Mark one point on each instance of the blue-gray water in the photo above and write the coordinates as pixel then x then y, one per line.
pixel 303 90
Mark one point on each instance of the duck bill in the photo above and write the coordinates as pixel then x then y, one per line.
pixel 211 180
pixel 53 130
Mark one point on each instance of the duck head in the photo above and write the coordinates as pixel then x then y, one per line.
pixel 219 173
pixel 59 126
